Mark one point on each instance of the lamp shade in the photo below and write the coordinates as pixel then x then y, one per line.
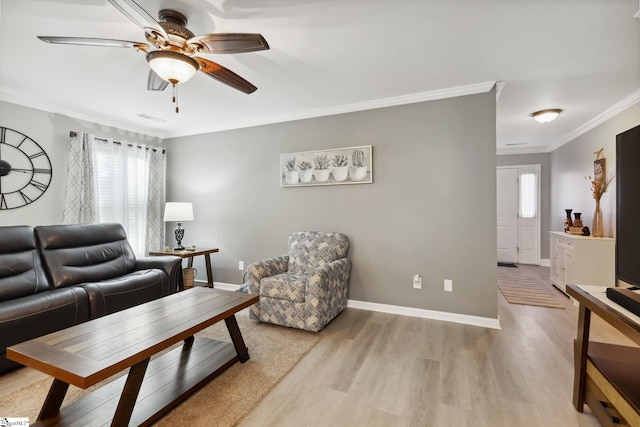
pixel 545 116
pixel 173 67
pixel 178 211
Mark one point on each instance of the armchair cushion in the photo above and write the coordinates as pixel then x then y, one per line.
pixel 285 286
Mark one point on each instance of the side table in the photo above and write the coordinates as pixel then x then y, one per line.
pixel 189 255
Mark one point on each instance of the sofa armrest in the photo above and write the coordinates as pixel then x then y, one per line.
pixel 266 268
pixel 171 265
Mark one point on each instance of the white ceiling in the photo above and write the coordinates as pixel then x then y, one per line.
pixel 333 56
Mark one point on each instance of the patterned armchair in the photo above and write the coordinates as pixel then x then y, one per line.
pixel 305 288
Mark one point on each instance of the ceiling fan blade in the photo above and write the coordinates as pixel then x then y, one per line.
pixel 228 43
pixel 155 82
pixel 224 75
pixel 86 41
pixel 139 16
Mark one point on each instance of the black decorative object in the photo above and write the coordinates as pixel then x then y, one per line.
pixel 25 169
pixel 179 232
pixel 568 222
pixel 578 221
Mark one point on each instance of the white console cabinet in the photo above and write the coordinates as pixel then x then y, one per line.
pixel 581 260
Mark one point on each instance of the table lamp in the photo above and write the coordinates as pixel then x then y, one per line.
pixel 177 211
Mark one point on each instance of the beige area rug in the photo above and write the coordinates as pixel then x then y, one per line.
pixel 526 292
pixel 228 398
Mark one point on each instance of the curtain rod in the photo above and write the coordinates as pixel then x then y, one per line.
pixel 74 134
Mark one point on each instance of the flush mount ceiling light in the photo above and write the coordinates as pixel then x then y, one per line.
pixel 545 116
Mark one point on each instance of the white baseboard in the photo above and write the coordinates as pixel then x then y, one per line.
pixel 220 285
pixel 545 263
pixel 465 319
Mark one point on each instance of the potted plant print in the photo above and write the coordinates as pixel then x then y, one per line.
pixel 340 167
pixel 306 172
pixel 322 165
pixel 358 171
pixel 291 175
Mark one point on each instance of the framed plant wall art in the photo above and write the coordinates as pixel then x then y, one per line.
pixel 351 165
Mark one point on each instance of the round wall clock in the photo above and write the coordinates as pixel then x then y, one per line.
pixel 25 169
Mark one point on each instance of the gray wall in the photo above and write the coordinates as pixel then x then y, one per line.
pixel 430 210
pixel 573 161
pixel 544 160
pixel 51 132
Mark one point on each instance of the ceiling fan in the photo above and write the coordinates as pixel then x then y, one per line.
pixel 173 52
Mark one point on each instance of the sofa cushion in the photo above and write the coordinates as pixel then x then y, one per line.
pixel 286 286
pixel 112 295
pixel 312 249
pixel 75 254
pixel 22 319
pixel 21 271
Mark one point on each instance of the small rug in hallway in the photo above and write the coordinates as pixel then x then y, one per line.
pixel 526 292
pixel 228 398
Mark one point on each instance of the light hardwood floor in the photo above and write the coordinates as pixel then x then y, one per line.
pixel 376 369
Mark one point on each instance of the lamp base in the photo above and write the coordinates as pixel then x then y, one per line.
pixel 179 232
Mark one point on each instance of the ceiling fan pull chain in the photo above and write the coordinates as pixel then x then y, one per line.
pixel 175 97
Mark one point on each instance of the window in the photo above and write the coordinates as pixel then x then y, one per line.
pixel 528 207
pixel 122 182
pixel 110 181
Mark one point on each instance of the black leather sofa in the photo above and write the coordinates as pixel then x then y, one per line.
pixel 53 277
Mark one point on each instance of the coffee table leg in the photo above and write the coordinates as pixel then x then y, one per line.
pixel 130 394
pixel 54 399
pixel 236 337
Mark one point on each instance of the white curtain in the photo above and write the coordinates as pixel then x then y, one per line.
pixel 79 195
pixel 127 186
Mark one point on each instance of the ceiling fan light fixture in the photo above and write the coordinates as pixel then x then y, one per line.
pixel 171 66
pixel 546 116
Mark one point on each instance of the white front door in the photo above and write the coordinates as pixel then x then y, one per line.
pixel 518 210
pixel 528 214
pixel 507 208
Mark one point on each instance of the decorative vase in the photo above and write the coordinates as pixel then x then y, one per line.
pixel 578 221
pixel 597 226
pixel 567 222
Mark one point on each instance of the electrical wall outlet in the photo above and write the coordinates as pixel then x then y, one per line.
pixel 417 282
pixel 448 285
pixel 241 265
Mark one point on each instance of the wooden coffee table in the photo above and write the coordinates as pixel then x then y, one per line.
pixel 86 354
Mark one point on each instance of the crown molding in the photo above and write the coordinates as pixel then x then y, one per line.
pixel 453 92
pixel 607 114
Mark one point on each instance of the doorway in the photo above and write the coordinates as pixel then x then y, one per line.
pixel 518 214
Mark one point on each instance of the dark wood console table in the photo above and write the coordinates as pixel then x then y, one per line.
pixel 88 353
pixel 607 376
pixel 189 255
